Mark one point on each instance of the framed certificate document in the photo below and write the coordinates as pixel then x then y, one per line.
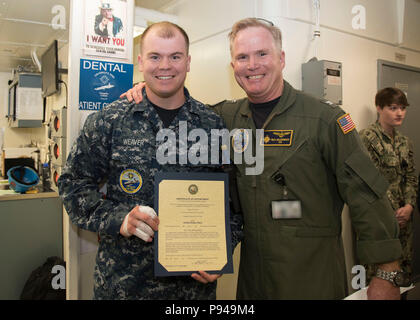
pixel 194 229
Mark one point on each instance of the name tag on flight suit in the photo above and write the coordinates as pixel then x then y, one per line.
pixel 277 138
pixel 286 209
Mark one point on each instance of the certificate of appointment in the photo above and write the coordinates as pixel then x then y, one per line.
pixel 194 229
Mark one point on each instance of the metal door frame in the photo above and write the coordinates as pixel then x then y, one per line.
pixel 416 236
pixel 382 63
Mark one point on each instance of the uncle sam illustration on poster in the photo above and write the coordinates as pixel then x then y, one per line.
pixel 105 28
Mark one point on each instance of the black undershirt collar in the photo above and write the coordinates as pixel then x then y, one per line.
pixel 166 115
pixel 261 111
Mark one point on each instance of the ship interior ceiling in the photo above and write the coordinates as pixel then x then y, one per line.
pixel 29 28
pixel 26 28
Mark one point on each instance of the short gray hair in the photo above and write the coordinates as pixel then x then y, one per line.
pixel 256 22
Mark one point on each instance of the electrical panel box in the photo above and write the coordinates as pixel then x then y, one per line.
pixel 25 103
pixel 323 79
pixel 58 123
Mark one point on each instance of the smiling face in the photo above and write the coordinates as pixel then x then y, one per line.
pixel 164 62
pixel 257 64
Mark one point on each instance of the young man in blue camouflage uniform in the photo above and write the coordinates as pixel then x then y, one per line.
pixel 392 154
pixel 118 145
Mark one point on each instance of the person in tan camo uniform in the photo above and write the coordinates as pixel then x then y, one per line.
pixel 392 154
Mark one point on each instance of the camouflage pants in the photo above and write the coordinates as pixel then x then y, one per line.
pixel 406 239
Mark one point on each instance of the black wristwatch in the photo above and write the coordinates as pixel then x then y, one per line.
pixel 397 278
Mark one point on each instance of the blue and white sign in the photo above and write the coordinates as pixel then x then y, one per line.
pixel 102 82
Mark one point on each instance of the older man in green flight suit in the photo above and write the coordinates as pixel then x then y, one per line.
pixel 314 162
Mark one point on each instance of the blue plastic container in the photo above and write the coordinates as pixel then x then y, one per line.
pixel 22 178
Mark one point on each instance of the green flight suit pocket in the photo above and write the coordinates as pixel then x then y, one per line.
pixel 364 178
pixel 292 250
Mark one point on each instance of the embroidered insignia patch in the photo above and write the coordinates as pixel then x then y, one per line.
pixel 130 181
pixel 240 140
pixel 277 138
pixel 346 123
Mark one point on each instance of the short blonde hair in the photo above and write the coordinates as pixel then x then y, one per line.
pixel 256 22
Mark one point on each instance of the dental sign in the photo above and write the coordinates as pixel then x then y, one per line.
pixel 102 82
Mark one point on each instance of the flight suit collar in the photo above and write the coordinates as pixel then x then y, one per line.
pixel 288 97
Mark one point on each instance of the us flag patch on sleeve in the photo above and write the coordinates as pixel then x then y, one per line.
pixel 345 123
